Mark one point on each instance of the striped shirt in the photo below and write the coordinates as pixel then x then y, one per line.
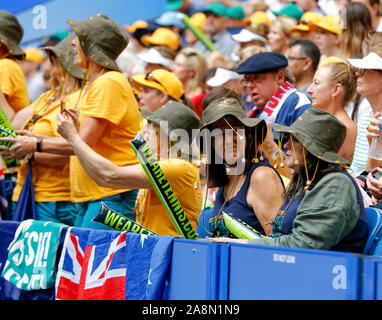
pixel 361 146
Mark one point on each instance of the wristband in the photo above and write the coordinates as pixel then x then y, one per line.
pixel 38 145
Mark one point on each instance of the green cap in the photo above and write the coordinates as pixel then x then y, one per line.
pixel 101 39
pixel 64 53
pixel 291 10
pixel 236 12
pixel 217 8
pixel 178 116
pixel 173 5
pixel 321 133
pixel 11 33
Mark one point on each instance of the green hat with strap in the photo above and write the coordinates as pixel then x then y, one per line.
pixel 11 33
pixel 102 39
pixel 222 107
pixel 178 116
pixel 64 53
pixel 321 133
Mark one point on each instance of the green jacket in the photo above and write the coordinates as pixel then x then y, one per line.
pixel 325 216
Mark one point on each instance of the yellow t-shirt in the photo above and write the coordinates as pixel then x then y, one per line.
pixel 183 177
pixel 109 97
pixel 49 183
pixel 12 83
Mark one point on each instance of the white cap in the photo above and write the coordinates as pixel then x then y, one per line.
pixel 222 76
pixel 371 61
pixel 153 56
pixel 246 36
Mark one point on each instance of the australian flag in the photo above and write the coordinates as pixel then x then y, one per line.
pixel 111 265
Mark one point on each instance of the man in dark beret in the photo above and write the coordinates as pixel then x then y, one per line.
pixel 271 88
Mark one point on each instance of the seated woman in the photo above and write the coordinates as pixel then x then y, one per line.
pixel 180 172
pixel 334 85
pixel 323 206
pixel 249 187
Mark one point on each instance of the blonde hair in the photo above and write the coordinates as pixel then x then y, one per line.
pixel 196 62
pixel 343 73
pixel 283 25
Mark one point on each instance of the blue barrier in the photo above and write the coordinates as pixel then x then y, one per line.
pixel 275 273
pixel 194 271
pixel 371 281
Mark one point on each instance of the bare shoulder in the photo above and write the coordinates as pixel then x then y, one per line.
pixel 264 174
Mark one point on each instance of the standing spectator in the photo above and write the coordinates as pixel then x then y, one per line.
pixel 109 118
pixel 279 36
pixel 328 31
pixel 31 67
pixel 303 58
pixel 51 182
pixel 12 79
pixel 216 29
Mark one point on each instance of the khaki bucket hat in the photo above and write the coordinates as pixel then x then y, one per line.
pixel 178 116
pixel 11 33
pixel 101 39
pixel 64 53
pixel 321 133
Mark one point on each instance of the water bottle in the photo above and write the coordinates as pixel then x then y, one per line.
pixel 375 148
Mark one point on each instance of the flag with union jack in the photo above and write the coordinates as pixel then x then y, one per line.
pixel 111 265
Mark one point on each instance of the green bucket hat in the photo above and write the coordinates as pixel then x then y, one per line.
pixel 11 33
pixel 321 133
pixel 64 53
pixel 101 39
pixel 222 107
pixel 178 116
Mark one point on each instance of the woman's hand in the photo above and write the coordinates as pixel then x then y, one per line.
pixel 374 185
pixel 68 123
pixel 22 145
pixel 372 130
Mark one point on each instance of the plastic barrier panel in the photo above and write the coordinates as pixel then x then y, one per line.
pixel 371 278
pixel 194 271
pixel 275 273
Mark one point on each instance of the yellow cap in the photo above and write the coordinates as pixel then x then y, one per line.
pixel 260 17
pixel 163 37
pixel 34 54
pixel 140 24
pixel 306 20
pixel 198 19
pixel 328 23
pixel 329 60
pixel 161 80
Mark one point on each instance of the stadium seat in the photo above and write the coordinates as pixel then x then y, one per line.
pixel 373 245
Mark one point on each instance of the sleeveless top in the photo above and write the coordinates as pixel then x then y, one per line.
pixel 353 242
pixel 237 206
